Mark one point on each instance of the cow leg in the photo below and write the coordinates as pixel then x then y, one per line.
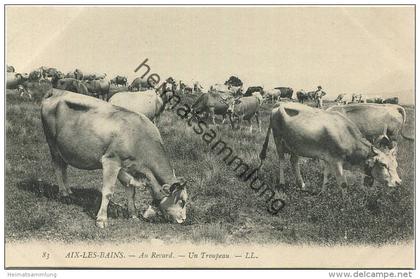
pixel 250 125
pixel 224 119
pixel 341 179
pixel 294 159
pixel 257 117
pixel 240 118
pixel 231 121
pixel 111 168
pixel 60 170
pixel 130 192
pixel 327 173
pixel 280 152
pixel 130 184
pixel 212 115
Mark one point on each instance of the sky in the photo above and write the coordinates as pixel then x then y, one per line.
pixel 344 49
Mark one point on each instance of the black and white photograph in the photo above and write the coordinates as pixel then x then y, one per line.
pixel 217 136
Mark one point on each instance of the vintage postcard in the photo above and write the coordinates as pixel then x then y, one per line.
pixel 209 136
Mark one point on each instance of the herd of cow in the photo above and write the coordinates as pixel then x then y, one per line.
pixel 116 132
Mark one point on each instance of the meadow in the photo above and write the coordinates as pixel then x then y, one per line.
pixel 221 208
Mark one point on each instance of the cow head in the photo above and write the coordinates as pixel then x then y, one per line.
pixel 382 166
pixel 173 204
pixel 231 103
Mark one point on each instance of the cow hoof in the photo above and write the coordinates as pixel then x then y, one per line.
pixel 101 223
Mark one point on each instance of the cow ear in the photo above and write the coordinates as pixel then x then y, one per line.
pixel 182 182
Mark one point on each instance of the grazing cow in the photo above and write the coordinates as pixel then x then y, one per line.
pixel 375 100
pixel 73 85
pixel 148 103
pixel 119 80
pixel 245 108
pixel 380 124
pixel 89 134
pixel 311 95
pixel 272 94
pixel 36 75
pixel 139 84
pixel 10 69
pixel 393 100
pixel 212 103
pixel 98 88
pixel 93 76
pixel 17 81
pixel 13 80
pixel 285 92
pixel 302 96
pixel 308 132
pixel 51 72
pixel 70 75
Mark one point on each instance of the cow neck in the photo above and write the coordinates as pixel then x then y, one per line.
pixel 365 148
pixel 156 184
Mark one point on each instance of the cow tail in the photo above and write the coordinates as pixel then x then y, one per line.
pixel 263 153
pixel 401 110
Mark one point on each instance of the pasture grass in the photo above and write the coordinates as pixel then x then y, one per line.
pixel 221 208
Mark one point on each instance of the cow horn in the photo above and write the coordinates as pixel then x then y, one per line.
pixel 374 150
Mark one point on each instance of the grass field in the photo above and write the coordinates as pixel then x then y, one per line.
pixel 221 208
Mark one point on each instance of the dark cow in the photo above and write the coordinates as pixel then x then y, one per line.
pixel 140 84
pixel 375 100
pixel 128 148
pixel 98 88
pixel 119 80
pixel 285 92
pixel 393 100
pixel 308 132
pixel 302 96
pixel 253 89
pixel 73 85
pixel 70 75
